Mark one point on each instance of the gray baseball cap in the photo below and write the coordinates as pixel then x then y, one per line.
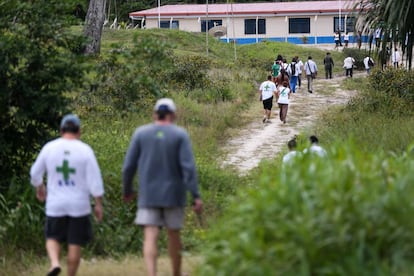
pixel 70 118
pixel 165 104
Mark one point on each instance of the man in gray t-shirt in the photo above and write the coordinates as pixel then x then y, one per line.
pixel 162 154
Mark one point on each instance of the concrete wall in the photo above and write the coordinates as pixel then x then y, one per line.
pixel 277 28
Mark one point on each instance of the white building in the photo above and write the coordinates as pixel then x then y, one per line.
pixel 295 22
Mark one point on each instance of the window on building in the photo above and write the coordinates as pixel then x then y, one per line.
pixel 174 24
pixel 211 24
pixel 349 24
pixel 299 25
pixel 250 26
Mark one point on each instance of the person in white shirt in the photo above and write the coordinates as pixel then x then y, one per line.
pixel 283 95
pixel 300 63
pixel 346 39
pixel 311 70
pixel 368 63
pixel 315 148
pixel 349 66
pixel 73 175
pixel 293 72
pixel 292 154
pixel 396 58
pixel 267 90
pixel 336 39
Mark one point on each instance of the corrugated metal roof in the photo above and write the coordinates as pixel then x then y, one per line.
pixel 250 8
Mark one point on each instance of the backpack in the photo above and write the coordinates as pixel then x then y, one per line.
pixel 293 68
pixel 370 62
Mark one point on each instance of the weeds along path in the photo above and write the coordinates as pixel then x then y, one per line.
pixel 260 141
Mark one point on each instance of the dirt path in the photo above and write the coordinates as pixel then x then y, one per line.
pixel 264 141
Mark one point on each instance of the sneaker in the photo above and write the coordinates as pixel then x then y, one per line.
pixel 264 120
pixel 54 272
pixel 268 121
pixel 310 91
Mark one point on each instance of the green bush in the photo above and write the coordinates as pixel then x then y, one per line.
pixel 348 214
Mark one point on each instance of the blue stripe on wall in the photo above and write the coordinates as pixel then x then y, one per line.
pixel 294 40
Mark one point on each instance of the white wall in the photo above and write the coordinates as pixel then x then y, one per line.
pixel 276 26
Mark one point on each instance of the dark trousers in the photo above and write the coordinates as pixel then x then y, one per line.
pixel 283 112
pixel 299 80
pixel 328 72
pixel 349 72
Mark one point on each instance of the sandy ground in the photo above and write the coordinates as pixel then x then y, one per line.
pixel 260 141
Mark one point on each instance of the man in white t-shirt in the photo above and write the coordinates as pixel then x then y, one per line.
pixel 396 58
pixel 292 154
pixel 349 66
pixel 72 176
pixel 315 148
pixel 368 63
pixel 267 90
pixel 300 63
pixel 310 70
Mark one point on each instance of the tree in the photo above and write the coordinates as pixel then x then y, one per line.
pixel 95 18
pixel 395 20
pixel 39 63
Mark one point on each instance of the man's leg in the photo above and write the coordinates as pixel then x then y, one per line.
pixel 310 84
pixel 350 72
pixel 326 73
pixel 174 249
pixel 53 251
pixel 330 73
pixel 74 255
pixel 308 77
pixel 281 112
pixel 150 249
pixel 299 80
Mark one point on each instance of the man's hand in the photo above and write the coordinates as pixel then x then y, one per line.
pixel 130 197
pixel 198 206
pixel 98 209
pixel 41 193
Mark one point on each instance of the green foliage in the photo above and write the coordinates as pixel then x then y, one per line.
pixel 379 117
pixel 129 79
pixel 191 71
pixel 37 67
pixel 348 214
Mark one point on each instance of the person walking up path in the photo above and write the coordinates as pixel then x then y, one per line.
pixel 315 148
pixel 396 58
pixel 368 63
pixel 288 157
pixel 161 153
pixel 311 71
pixel 329 64
pixel 267 90
pixel 349 66
pixel 72 176
pixel 300 63
pixel 283 95
pixel 275 70
pixel 293 71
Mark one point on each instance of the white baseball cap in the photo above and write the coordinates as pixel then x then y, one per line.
pixel 165 104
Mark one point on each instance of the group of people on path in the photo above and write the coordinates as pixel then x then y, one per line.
pixel 160 153
pixel 284 80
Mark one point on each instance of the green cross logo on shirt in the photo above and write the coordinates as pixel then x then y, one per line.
pixel 267 87
pixel 160 134
pixel 65 170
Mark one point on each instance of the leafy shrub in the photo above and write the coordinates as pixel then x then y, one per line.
pixel 37 68
pixel 128 79
pixel 395 83
pixel 191 72
pixel 348 214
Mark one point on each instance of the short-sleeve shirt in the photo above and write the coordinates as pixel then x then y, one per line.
pixel 267 88
pixel 72 176
pixel 276 69
pixel 283 95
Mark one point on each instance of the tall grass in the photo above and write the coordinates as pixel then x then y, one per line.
pixel 347 214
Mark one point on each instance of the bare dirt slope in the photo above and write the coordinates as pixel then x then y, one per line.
pixel 264 141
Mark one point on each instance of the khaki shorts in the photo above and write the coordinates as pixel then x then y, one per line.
pixel 170 218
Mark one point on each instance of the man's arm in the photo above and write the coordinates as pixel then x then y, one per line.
pixel 189 173
pixel 95 183
pixel 37 172
pixel 130 166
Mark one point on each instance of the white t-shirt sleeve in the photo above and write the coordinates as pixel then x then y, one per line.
pixel 38 169
pixel 94 177
pixel 261 86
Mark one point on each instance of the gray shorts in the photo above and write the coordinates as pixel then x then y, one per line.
pixel 170 218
